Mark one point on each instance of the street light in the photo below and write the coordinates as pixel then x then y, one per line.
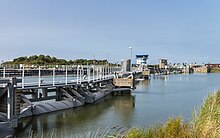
pixel 131 58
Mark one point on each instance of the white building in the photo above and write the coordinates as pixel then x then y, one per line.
pixel 141 59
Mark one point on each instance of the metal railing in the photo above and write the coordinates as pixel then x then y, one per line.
pixel 75 74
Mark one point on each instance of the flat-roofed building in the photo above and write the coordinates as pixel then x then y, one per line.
pixel 141 59
pixel 163 63
pixel 213 65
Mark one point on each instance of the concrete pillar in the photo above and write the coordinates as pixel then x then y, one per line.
pixel 58 94
pixel 11 116
pixel 10 101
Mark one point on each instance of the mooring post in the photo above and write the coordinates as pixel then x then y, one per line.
pixel 133 80
pixel 66 75
pixel 23 77
pixel 53 76
pixel 4 72
pixel 39 77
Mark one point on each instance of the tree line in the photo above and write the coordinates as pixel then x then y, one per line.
pixel 48 60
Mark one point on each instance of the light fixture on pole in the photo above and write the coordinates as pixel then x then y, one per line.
pixel 131 57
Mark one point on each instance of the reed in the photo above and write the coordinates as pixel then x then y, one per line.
pixel 205 124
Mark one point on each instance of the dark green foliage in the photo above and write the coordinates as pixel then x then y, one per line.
pixel 48 60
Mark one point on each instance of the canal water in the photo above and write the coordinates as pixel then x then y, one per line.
pixel 152 102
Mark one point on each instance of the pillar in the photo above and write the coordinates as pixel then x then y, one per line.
pixel 44 92
pixel 58 94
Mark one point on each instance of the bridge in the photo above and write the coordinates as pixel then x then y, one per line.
pixel 27 92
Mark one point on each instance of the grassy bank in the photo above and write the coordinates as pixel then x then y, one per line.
pixel 205 124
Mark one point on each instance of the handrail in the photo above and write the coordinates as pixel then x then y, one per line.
pixel 79 74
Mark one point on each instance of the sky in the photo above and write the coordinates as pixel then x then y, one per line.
pixel 178 30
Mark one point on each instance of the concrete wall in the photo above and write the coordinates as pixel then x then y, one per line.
pixel 201 70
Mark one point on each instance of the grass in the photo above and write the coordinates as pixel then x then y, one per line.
pixel 205 124
pixel 207 121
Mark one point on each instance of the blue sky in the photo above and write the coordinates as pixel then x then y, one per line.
pixel 179 30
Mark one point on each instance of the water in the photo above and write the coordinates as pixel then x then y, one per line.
pixel 152 102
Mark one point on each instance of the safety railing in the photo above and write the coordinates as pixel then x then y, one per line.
pixel 42 76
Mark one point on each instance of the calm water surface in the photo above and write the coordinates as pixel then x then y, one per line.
pixel 152 102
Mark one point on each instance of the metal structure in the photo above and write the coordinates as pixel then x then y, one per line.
pixel 25 92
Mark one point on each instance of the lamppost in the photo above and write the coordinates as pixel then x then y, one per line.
pixel 131 57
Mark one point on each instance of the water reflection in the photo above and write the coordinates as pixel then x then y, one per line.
pixel 160 77
pixel 82 118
